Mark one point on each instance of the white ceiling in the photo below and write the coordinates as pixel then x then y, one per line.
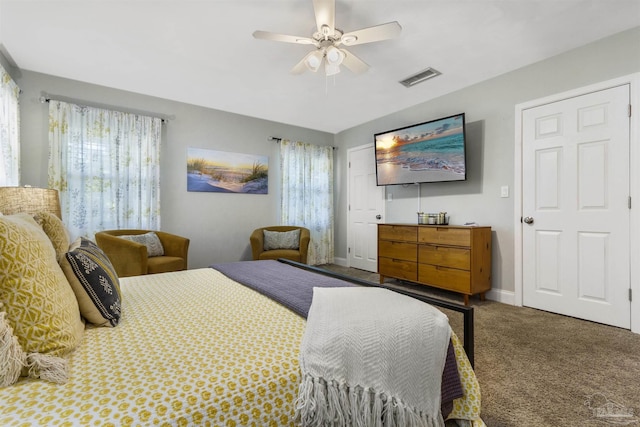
pixel 203 53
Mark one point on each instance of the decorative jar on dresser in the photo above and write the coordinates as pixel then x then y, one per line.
pixel 451 257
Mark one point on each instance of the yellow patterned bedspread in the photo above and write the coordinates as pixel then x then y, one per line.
pixel 192 348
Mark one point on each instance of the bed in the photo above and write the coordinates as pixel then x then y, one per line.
pixel 191 347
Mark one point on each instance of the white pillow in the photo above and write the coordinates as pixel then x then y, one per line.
pixel 150 240
pixel 281 239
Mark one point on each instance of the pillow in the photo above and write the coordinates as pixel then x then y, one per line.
pixel 40 306
pixel 281 239
pixel 150 240
pixel 94 281
pixel 55 230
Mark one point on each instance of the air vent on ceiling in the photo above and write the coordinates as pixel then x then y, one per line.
pixel 423 75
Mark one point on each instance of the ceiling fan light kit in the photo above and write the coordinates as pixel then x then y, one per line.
pixel 331 69
pixel 334 55
pixel 328 39
pixel 314 60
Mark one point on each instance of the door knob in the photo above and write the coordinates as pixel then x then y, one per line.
pixel 378 216
pixel 528 220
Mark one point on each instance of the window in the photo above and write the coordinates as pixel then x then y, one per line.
pixel 9 130
pixel 106 165
pixel 307 195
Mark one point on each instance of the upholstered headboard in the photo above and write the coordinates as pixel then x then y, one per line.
pixel 30 200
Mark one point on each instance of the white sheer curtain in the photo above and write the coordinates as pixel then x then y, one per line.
pixel 307 195
pixel 106 165
pixel 9 130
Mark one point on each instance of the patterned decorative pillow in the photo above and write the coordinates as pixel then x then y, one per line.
pixel 40 306
pixel 55 230
pixel 94 281
pixel 150 240
pixel 281 239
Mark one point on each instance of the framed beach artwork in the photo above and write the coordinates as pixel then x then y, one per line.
pixel 214 171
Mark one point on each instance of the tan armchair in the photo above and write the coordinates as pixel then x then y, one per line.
pixel 299 255
pixel 130 258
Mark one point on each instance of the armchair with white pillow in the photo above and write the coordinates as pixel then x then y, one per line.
pixel 280 241
pixel 137 252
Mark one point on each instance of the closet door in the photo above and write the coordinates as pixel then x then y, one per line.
pixel 576 215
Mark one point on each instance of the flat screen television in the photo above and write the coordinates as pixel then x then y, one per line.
pixel 432 151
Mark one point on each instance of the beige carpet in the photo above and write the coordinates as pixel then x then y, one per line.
pixel 541 369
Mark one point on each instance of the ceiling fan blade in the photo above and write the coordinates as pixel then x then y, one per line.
pixel 325 11
pixel 372 34
pixel 299 68
pixel 353 63
pixel 265 35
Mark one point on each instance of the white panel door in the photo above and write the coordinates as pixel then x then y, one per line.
pixel 366 205
pixel 576 207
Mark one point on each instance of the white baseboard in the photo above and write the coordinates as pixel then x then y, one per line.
pixel 506 297
pixel 340 261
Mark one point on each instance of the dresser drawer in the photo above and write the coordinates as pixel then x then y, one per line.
pixel 445 256
pixel 405 233
pixel 446 278
pixel 399 269
pixel 445 236
pixel 398 250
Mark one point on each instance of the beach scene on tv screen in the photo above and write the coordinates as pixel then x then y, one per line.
pixel 429 152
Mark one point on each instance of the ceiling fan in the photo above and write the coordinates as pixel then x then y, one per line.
pixel 328 41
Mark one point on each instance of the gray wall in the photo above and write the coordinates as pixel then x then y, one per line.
pixel 218 224
pixel 490 111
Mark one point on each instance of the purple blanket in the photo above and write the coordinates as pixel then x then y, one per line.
pixel 288 285
pixel 293 288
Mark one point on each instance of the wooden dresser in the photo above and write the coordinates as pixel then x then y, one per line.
pixel 455 258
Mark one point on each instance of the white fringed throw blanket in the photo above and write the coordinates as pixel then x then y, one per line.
pixel 371 357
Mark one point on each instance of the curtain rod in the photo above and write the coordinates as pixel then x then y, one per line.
pixel 45 98
pixel 277 139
